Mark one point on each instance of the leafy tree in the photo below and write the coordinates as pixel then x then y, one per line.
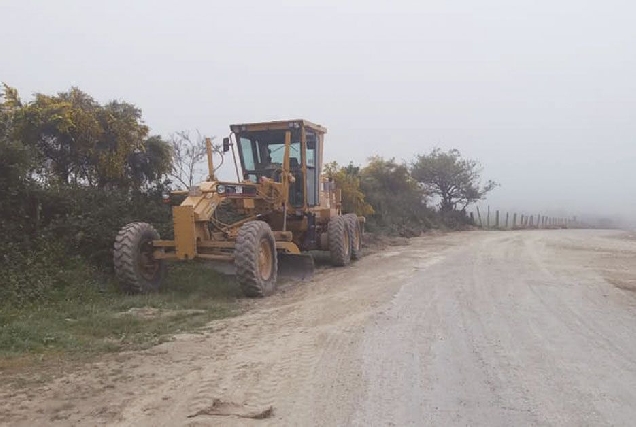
pixel 150 163
pixel 15 162
pixel 64 131
pixel 72 172
pixel 347 179
pixel 454 179
pixel 79 141
pixel 398 200
pixel 123 135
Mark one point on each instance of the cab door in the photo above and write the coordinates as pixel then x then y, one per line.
pixel 312 163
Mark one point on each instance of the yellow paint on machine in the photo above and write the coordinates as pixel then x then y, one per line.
pixel 184 232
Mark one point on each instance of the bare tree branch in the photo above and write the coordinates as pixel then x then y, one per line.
pixel 188 157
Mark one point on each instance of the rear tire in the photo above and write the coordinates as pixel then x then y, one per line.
pixel 355 231
pixel 256 260
pixel 339 241
pixel 135 267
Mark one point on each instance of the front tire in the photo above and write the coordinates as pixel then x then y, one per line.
pixel 135 266
pixel 256 260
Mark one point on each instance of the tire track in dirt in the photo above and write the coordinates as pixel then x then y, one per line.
pixel 309 331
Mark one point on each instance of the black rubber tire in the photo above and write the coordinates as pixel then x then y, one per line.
pixel 247 253
pixel 339 242
pixel 355 232
pixel 127 258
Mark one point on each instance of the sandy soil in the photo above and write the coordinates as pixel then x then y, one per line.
pixel 475 328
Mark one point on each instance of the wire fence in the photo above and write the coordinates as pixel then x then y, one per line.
pixel 500 220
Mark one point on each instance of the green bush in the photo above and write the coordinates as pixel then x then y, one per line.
pixel 398 202
pixel 53 237
pixel 87 219
pixel 34 274
pixel 455 219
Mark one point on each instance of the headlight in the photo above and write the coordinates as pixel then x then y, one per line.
pixel 220 189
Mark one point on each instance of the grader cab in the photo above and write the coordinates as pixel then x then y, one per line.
pixel 279 209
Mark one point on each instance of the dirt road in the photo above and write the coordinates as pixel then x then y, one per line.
pixel 479 328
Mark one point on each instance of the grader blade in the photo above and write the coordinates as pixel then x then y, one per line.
pixel 296 266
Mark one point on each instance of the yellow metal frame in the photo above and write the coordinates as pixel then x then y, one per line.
pixel 192 218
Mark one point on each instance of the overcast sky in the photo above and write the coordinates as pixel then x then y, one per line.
pixel 542 93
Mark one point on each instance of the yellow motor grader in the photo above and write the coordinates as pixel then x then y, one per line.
pixel 281 207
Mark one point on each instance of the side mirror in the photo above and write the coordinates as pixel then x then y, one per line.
pixel 226 145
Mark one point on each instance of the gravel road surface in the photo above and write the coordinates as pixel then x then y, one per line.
pixel 475 328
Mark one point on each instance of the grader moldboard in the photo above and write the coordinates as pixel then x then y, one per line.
pixel 281 208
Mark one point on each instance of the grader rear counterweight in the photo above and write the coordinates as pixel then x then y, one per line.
pixel 280 208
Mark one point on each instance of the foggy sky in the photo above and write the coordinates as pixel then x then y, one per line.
pixel 542 93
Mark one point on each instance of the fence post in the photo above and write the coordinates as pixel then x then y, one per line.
pixel 488 218
pixel 531 221
pixel 481 223
pixel 514 220
pixel 507 213
pixel 497 219
pixel 472 218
